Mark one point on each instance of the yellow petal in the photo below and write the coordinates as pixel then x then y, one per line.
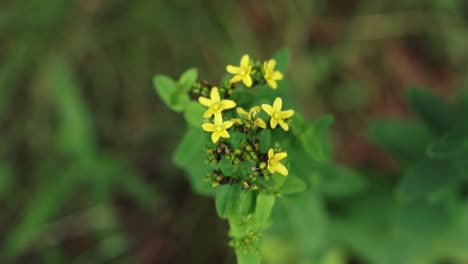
pixel 228 124
pixel 271 169
pixel 215 137
pixel 247 80
pixel 271 153
pixel 272 83
pixel 208 113
pixel 277 104
pixel 265 67
pixel 283 124
pixel 260 123
pixel 235 78
pixel 277 76
pixel 218 118
pixel 232 69
pixel 273 123
pixel 281 169
pixel 268 109
pixel 280 156
pixel 254 111
pixel 224 134
pixel 208 127
pixel 245 61
pixel 241 111
pixel 214 95
pixel 271 65
pixel 228 104
pixel 287 114
pixel 237 121
pixel 205 101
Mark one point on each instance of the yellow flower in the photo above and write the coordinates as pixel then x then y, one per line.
pixel 242 72
pixel 252 116
pixel 219 128
pixel 271 76
pixel 215 104
pixel 278 116
pixel 274 164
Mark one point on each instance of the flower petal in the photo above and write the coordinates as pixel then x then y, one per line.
pixel 247 80
pixel 268 109
pixel 218 118
pixel 260 123
pixel 281 169
pixel 286 114
pixel 237 121
pixel 271 169
pixel 214 94
pixel 205 101
pixel 277 76
pixel 208 113
pixel 224 134
pixel 277 104
pixel 215 137
pixel 280 156
pixel 232 69
pixel 274 123
pixel 272 83
pixel 241 111
pixel 208 127
pixel 228 104
pixel 235 78
pixel 271 65
pixel 271 153
pixel 228 124
pixel 245 61
pixel 283 124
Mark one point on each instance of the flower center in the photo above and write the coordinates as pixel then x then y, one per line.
pixel 216 106
pixel 219 128
pixel 276 115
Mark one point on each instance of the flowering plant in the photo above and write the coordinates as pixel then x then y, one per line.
pixel 244 146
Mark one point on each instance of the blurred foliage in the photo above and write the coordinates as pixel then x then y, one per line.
pixel 85 166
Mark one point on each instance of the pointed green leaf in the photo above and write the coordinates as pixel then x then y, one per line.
pixel 432 109
pixel 194 114
pixel 264 206
pixel 187 79
pixel 292 185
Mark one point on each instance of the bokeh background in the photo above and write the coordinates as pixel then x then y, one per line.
pixel 85 144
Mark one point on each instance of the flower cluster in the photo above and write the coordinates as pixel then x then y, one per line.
pixel 224 117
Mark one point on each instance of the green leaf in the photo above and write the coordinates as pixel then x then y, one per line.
pixel 430 180
pixel 225 200
pixel 265 203
pixel 168 91
pixel 314 137
pixel 338 181
pixel 452 145
pixel 227 168
pixel 432 109
pixel 236 139
pixel 187 79
pixel 194 114
pixel 405 138
pixel 243 258
pixel 165 87
pixel 190 155
pixel 245 203
pixel 292 184
pixel 265 140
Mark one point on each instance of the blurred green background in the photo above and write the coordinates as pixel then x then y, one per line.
pixel 85 144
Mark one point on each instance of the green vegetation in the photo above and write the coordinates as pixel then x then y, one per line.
pixel 86 147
